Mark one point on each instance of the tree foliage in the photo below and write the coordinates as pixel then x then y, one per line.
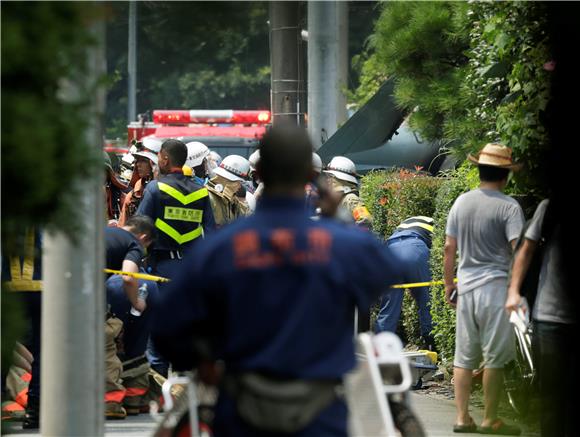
pixel 44 152
pixel 191 55
pixel 43 131
pixel 469 73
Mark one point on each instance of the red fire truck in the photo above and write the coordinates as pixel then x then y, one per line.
pixel 224 131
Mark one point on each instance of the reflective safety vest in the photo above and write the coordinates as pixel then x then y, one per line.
pixel 419 224
pixel 23 273
pixel 181 212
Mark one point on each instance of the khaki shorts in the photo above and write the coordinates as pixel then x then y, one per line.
pixel 483 330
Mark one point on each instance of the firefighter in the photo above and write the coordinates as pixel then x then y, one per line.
pixel 312 195
pixel 125 248
pixel 115 191
pixel 197 155
pixel 22 274
pixel 213 161
pixel 144 162
pixel 272 296
pixel 344 180
pixel 253 186
pixel 182 213
pixel 411 242
pixel 178 206
pixel 226 205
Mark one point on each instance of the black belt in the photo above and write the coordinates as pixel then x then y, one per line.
pixel 167 254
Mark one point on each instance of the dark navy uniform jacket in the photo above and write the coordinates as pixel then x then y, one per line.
pixel 155 203
pixel 276 292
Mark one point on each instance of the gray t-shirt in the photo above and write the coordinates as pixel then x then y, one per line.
pixel 552 302
pixel 483 222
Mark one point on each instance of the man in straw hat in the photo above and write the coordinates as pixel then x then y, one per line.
pixel 484 225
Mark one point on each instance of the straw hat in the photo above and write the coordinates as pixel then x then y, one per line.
pixel 495 155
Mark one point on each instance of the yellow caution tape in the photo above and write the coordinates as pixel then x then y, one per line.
pixel 420 284
pixel 138 275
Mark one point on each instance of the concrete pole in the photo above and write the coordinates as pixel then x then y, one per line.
pixel 327 68
pixel 73 302
pixel 132 64
pixel 286 88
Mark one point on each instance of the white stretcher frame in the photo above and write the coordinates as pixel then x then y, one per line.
pixel 373 352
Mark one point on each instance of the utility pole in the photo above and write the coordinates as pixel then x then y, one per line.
pixel 73 302
pixel 327 68
pixel 287 84
pixel 132 63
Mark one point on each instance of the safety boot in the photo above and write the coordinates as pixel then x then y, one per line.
pixel 114 411
pixel 32 415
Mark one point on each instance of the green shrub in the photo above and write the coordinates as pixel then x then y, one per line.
pixel 391 197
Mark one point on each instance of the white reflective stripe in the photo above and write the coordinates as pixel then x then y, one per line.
pixel 422 217
pixel 211 113
pixel 416 224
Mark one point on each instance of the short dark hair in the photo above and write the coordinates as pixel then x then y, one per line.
pixel 176 151
pixel 488 173
pixel 285 157
pixel 141 224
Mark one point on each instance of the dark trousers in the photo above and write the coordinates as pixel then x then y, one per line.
pixel 553 348
pixel 166 266
pixel 33 310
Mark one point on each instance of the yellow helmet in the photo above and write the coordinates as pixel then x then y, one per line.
pixel 187 171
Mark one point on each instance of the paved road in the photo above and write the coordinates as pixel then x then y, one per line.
pixel 133 426
pixel 437 416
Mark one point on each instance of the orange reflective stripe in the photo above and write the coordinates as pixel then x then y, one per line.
pixel 26 377
pixel 22 397
pixel 115 396
pixel 12 406
pixel 130 391
pixel 360 213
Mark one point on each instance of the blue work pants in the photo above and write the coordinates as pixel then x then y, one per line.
pixel 136 329
pixel 413 254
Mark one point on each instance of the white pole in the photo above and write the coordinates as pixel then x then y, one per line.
pixel 73 303
pixel 327 68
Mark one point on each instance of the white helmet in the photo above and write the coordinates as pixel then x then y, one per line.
pixel 234 168
pixel 215 157
pixel 342 168
pixel 196 153
pixel 254 158
pixel 152 144
pixel 316 163
pixel 128 159
pixel 146 154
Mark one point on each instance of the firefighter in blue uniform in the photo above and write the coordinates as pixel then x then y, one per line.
pixel 182 214
pixel 273 296
pixel 179 207
pixel 411 243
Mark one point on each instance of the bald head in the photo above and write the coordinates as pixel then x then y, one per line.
pixel 285 158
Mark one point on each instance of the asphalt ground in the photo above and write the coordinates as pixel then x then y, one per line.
pixel 435 413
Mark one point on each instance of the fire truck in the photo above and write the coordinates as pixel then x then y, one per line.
pixel 225 131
